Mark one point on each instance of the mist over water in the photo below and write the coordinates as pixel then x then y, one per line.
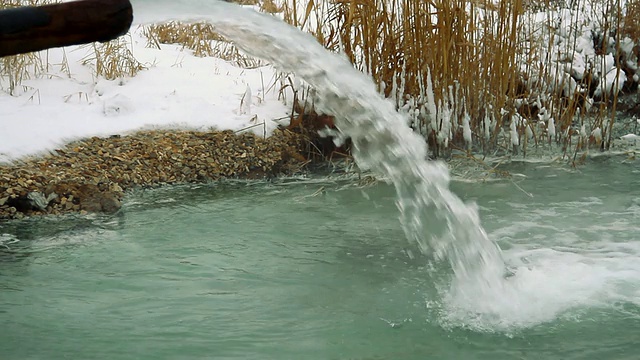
pixel 432 216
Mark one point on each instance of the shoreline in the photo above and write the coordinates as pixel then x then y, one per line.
pixel 93 174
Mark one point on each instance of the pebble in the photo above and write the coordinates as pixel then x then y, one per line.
pixel 92 175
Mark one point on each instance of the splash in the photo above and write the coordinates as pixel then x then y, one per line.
pixel 432 216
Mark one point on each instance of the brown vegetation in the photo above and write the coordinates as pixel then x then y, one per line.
pixel 480 58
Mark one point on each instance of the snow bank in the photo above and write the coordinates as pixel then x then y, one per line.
pixel 177 90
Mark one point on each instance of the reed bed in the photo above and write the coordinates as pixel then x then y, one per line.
pixel 489 76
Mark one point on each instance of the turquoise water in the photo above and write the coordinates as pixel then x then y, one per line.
pixel 322 270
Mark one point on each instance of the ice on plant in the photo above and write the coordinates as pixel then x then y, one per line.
pixel 466 129
pixel 597 134
pixel 514 131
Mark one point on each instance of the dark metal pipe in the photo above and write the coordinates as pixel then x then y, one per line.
pixel 34 28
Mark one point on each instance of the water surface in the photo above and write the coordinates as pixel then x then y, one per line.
pixel 321 270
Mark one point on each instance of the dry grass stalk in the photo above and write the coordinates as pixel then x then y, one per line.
pixel 113 59
pixel 630 21
pixel 246 2
pixel 271 7
pixel 14 69
pixel 201 38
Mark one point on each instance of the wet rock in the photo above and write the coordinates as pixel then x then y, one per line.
pixel 39 200
pixel 105 201
pixel 88 197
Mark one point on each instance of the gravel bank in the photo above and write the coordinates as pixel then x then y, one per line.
pixel 92 175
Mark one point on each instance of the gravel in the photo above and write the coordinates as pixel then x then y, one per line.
pixel 92 175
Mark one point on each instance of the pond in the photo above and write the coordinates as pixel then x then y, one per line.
pixel 321 269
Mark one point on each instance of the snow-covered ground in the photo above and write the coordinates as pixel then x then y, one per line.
pixel 177 90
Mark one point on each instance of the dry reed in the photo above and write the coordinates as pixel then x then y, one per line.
pixel 113 59
pixel 201 38
pixel 474 71
pixel 17 68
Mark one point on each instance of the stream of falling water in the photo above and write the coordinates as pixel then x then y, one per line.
pixel 432 216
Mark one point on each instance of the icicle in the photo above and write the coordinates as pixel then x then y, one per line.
pixel 451 98
pixel 487 126
pixel 588 103
pixel 514 130
pixel 597 135
pixel 421 87
pixel 518 103
pixel 529 132
pixel 538 103
pixel 423 115
pixel 403 77
pixel 432 110
pixel 452 107
pixel 445 124
pixel 466 130
pixel 394 89
pixel 459 101
pixel 408 108
pixel 543 118
pixel 383 87
pixel 551 129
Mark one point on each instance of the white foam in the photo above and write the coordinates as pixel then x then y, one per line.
pixel 560 270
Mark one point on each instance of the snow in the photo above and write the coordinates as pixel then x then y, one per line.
pixel 630 138
pixel 178 91
pixel 566 38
